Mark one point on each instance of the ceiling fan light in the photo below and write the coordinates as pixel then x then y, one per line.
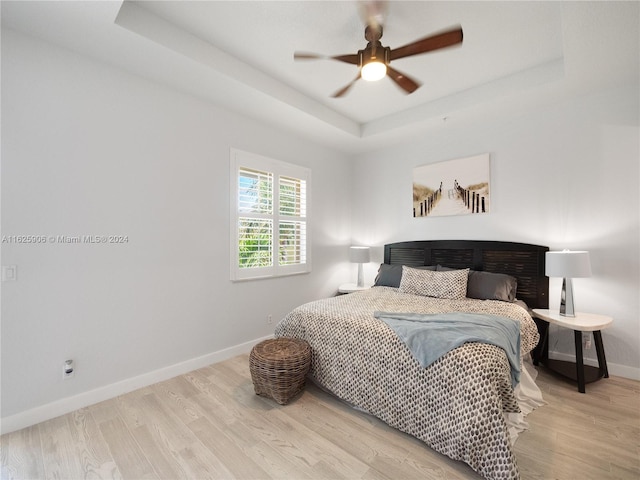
pixel 373 71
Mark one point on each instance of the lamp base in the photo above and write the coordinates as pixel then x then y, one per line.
pixel 566 299
pixel 360 276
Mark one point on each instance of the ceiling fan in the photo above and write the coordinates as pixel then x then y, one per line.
pixel 373 61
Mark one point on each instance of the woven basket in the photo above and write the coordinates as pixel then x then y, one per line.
pixel 279 366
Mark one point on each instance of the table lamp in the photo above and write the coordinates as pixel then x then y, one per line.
pixel 567 264
pixel 359 255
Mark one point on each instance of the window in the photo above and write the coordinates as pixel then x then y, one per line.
pixel 269 217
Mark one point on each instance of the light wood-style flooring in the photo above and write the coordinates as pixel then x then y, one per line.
pixel 210 424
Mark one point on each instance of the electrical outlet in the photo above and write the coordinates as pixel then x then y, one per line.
pixel 68 369
pixel 586 340
pixel 9 273
pixel 269 319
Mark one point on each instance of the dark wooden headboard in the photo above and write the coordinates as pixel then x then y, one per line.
pixel 521 260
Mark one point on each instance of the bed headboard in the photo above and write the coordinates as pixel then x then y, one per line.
pixel 521 260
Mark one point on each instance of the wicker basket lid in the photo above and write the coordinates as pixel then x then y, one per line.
pixel 281 348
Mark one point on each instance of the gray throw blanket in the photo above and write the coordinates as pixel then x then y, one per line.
pixel 430 336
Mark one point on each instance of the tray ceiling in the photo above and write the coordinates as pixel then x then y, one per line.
pixel 239 55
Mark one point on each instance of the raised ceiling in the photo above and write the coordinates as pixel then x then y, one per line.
pixel 515 56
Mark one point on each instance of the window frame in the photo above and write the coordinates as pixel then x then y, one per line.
pixel 245 160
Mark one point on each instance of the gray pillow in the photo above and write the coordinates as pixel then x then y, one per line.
pixel 489 286
pixel 492 286
pixel 390 275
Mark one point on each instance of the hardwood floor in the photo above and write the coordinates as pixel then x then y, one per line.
pixel 210 424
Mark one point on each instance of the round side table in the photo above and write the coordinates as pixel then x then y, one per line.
pixel 582 322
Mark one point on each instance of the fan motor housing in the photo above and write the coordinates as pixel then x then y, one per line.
pixel 367 55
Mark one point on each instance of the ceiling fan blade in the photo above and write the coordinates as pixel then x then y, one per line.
pixel 428 44
pixel 373 12
pixel 351 59
pixel 345 89
pixel 407 84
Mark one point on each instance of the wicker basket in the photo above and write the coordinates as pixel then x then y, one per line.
pixel 279 366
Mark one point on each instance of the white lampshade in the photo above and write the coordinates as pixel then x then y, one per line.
pixel 568 264
pixel 373 71
pixel 359 254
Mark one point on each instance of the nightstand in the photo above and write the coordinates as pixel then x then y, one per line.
pixel 582 322
pixel 350 288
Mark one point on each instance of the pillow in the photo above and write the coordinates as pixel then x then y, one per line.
pixel 452 284
pixel 390 275
pixel 489 286
pixel 492 286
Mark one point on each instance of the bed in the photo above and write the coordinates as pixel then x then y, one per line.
pixel 461 403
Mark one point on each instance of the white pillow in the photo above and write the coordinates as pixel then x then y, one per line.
pixel 451 284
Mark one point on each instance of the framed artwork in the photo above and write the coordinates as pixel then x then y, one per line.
pixel 453 187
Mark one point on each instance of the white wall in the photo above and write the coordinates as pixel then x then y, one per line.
pixel 91 150
pixel 565 177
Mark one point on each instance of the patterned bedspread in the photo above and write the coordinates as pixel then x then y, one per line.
pixel 456 405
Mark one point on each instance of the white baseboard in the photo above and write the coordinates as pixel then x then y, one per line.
pixel 614 368
pixel 69 404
